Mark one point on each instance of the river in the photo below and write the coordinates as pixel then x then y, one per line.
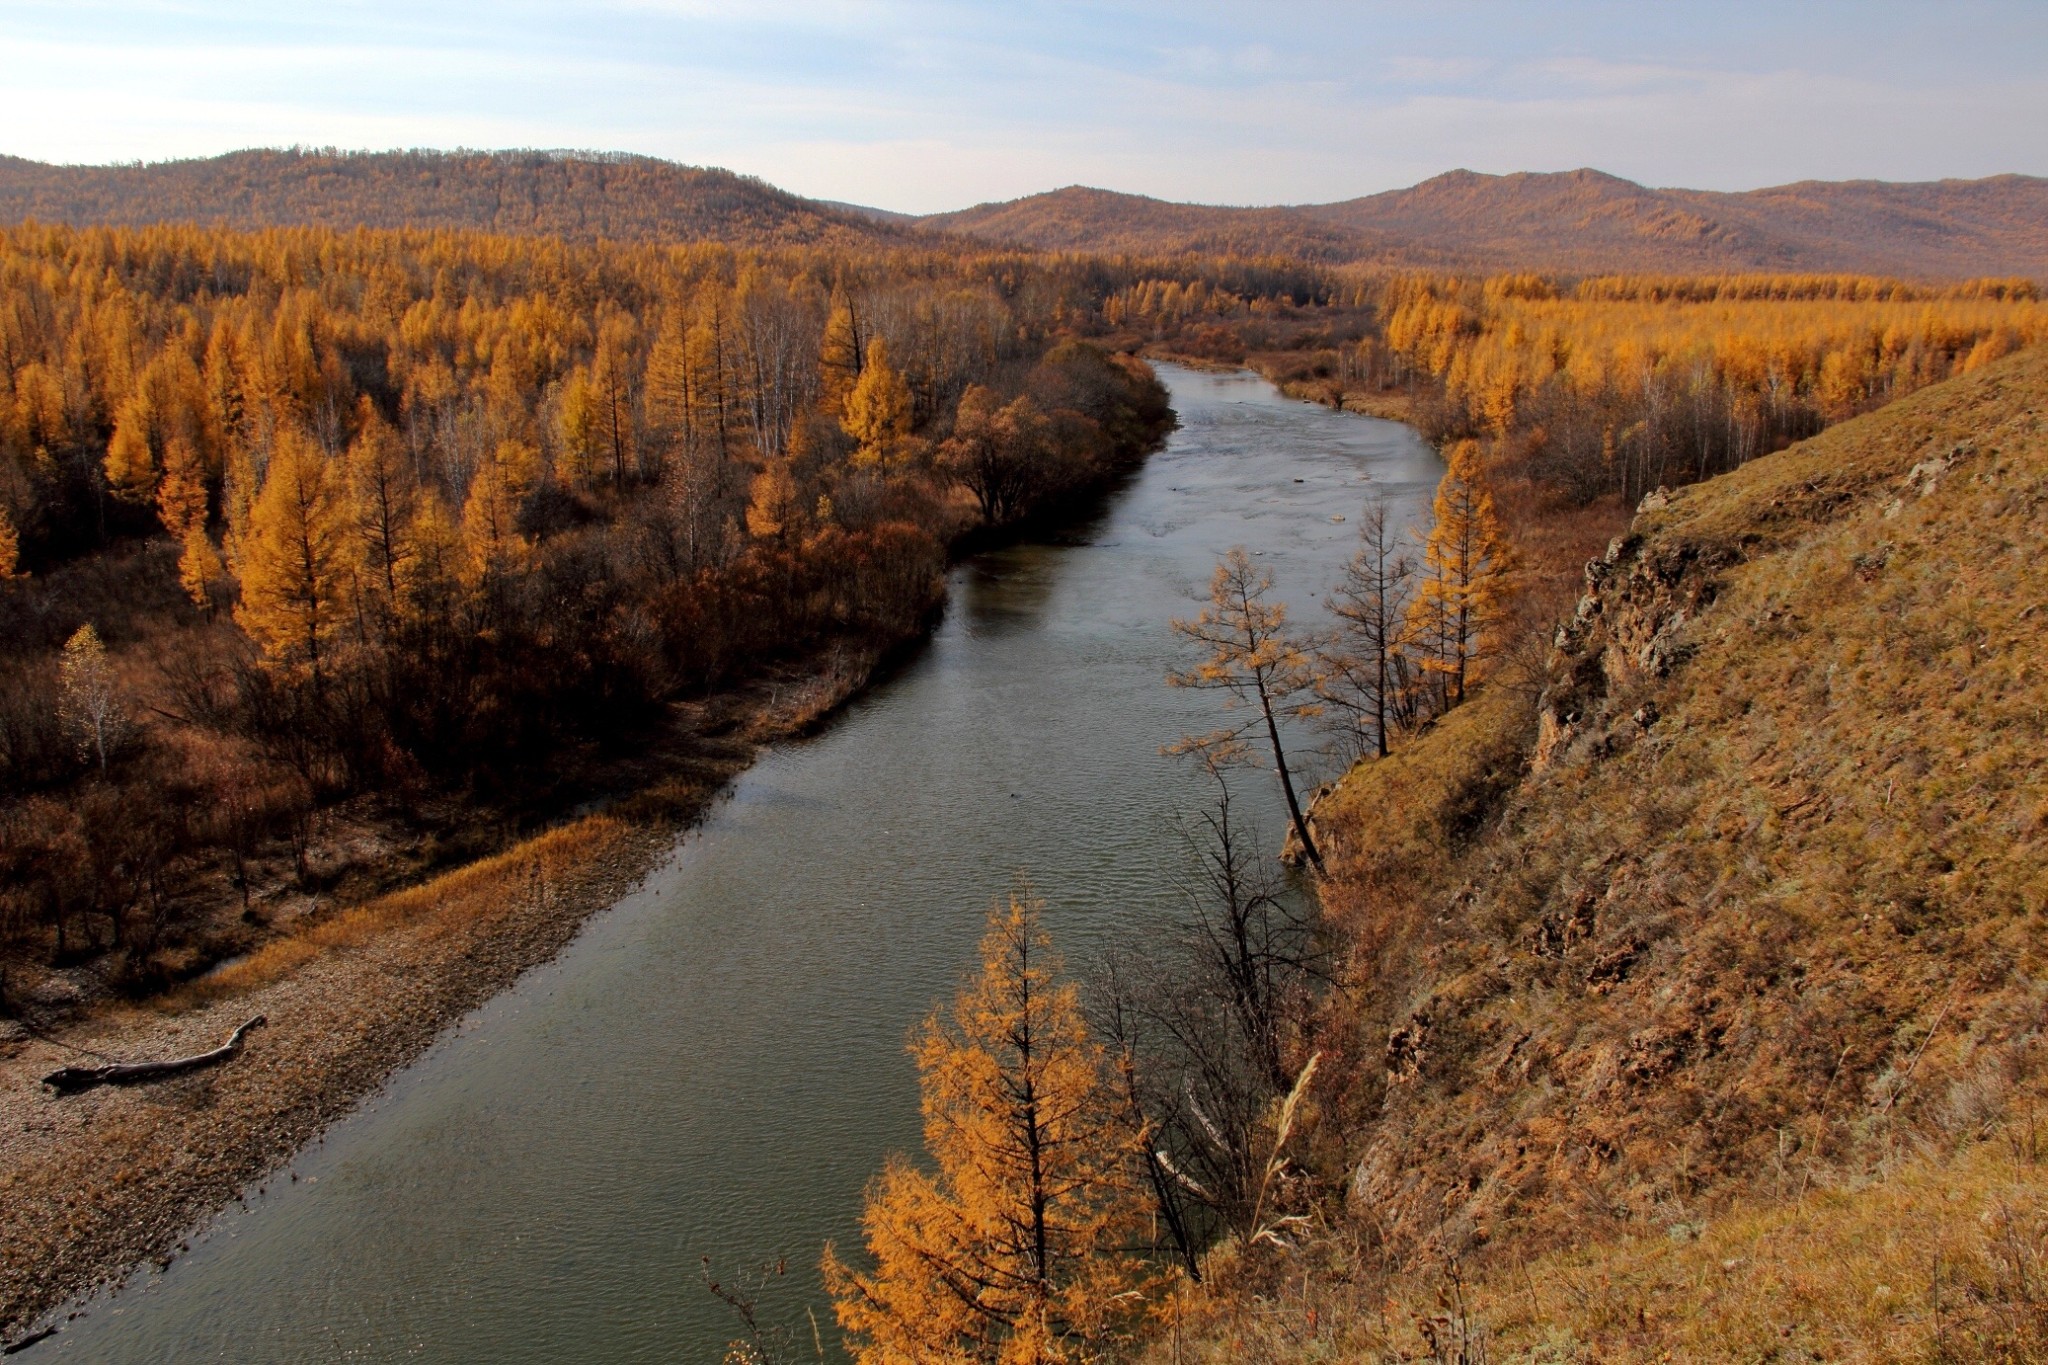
pixel 716 1065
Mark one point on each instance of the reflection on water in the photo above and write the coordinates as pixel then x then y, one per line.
pixel 716 1066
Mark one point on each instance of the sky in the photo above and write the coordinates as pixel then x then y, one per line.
pixel 925 105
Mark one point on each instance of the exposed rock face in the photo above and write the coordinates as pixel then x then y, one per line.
pixel 1629 628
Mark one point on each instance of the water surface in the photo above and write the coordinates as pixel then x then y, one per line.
pixel 716 1066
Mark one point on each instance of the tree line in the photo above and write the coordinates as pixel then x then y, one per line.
pixel 1622 384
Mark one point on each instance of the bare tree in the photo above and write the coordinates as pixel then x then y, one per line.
pixel 1253 657
pixel 1364 670
pixel 1204 1036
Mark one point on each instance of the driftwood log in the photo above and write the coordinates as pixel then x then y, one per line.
pixel 72 1079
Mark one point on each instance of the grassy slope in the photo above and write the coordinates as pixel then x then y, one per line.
pixel 1572 221
pixel 1719 1033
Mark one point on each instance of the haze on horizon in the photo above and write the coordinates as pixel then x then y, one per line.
pixel 927 105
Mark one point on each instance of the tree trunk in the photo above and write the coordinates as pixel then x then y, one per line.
pixel 1308 843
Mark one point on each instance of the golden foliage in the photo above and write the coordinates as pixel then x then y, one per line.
pixel 1016 1249
pixel 1461 602
pixel 294 567
pixel 878 408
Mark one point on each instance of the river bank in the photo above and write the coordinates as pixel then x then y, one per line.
pixel 99 1183
pixel 715 1065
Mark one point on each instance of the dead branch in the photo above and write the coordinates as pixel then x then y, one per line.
pixel 71 1080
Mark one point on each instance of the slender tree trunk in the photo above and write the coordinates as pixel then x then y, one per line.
pixel 1308 843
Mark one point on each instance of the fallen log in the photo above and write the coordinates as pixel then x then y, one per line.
pixel 72 1079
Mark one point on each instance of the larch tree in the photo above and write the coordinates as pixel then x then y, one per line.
pixel 131 462
pixel 612 383
pixel 582 429
pixel 10 546
pixel 878 408
pixel 1020 1246
pixel 1252 656
pixel 383 494
pixel 493 547
pixel 1458 610
pixel 667 398
pixel 294 566
pixel 842 352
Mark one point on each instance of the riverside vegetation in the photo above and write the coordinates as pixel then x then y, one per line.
pixel 1673 990
pixel 1650 962
pixel 295 518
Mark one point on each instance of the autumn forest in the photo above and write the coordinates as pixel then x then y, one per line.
pixel 384 600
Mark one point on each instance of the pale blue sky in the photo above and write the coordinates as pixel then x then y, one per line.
pixel 929 104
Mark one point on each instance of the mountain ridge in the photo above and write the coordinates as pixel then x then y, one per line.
pixel 579 196
pixel 1572 222
pixel 1576 222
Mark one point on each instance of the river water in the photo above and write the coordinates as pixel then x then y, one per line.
pixel 716 1066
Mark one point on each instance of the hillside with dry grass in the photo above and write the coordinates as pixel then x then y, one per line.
pixel 1574 222
pixel 582 197
pixel 1696 999
pixel 1078 218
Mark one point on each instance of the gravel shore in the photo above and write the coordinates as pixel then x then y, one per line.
pixel 95 1184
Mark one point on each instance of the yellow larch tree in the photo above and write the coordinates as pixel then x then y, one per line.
pixel 492 546
pixel 1467 562
pixel 1017 1248
pixel 10 546
pixel 131 463
pixel 878 408
pixel 772 502
pixel 182 504
pixel 294 566
pixel 582 430
pixel 669 400
pixel 841 351
pixel 383 494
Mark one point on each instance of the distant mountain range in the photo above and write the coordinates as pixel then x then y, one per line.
pixel 1575 221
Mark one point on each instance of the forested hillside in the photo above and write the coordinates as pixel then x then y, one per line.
pixel 1574 222
pixel 578 196
pixel 292 517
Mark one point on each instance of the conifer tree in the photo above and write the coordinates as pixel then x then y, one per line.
pixel 181 496
pixel 1252 656
pixel 1365 670
pixel 1457 612
pixel 294 560
pixel 842 351
pixel 383 491
pixel 491 543
pixel 1015 1249
pixel 131 463
pixel 582 424
pixel 667 387
pixel 878 408
pixel 10 546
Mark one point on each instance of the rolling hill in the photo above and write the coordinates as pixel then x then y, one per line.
pixel 1572 222
pixel 579 196
pixel 1576 222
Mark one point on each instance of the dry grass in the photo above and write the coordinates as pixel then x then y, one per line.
pixel 459 902
pixel 1754 969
